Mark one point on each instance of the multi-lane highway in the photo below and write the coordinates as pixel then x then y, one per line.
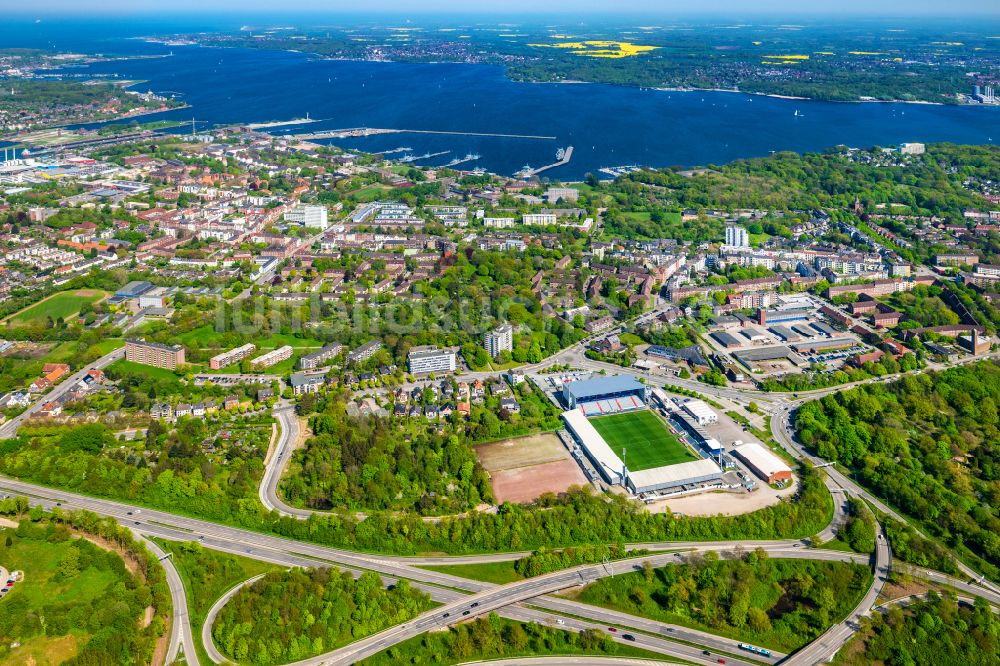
pixel 463 599
pixel 827 645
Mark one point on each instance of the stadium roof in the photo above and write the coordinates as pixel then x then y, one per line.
pixel 676 475
pixel 588 389
pixel 592 440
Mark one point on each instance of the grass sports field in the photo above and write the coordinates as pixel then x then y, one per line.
pixel 62 304
pixel 646 440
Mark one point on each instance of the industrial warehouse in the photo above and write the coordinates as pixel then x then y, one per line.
pixel 628 443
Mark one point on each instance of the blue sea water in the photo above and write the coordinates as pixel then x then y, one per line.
pixel 607 125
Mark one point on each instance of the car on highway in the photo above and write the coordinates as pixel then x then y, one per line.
pixel 446 615
pixel 612 630
pixel 628 637
pixel 475 603
pixel 465 612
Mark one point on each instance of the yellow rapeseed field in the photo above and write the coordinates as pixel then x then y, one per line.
pixel 600 48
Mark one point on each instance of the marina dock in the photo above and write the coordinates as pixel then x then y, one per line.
pixel 282 123
pixel 373 131
pixel 567 156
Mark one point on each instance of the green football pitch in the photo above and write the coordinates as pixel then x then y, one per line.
pixel 646 440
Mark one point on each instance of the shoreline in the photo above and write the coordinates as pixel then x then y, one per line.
pixel 106 121
pixel 678 89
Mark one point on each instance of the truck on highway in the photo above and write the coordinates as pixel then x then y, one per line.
pixel 764 652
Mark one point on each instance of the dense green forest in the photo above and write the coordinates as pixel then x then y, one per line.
pixel 543 560
pixel 930 445
pixel 74 588
pixel 938 632
pixel 402 463
pixel 930 184
pixel 375 463
pixel 493 638
pixel 208 575
pixel 781 604
pixel 171 469
pixel 645 203
pixel 578 517
pixel 290 615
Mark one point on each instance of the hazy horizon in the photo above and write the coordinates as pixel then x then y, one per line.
pixel 567 8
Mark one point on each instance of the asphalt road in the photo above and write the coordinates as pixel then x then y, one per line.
pixel 181 638
pixel 9 429
pixel 288 426
pixel 486 599
pixel 828 644
pixel 213 612
pixel 783 432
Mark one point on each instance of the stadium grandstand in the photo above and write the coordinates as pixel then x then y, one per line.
pixel 608 464
pixel 605 395
pixel 631 445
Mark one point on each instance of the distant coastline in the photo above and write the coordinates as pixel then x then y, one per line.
pixel 194 41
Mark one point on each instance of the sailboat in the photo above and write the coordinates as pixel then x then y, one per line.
pixel 797 114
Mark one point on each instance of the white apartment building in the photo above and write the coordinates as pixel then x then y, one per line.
pixel 498 340
pixel 431 359
pixel 737 236
pixel 314 217
pixel 538 219
pixel 498 222
pixel 272 357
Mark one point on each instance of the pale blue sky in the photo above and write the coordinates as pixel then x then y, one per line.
pixel 569 7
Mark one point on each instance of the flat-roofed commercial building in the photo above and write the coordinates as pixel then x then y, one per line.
pixel 700 411
pixel 232 356
pixel 763 463
pixel 302 382
pixel 272 357
pixel 431 359
pixel 154 354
